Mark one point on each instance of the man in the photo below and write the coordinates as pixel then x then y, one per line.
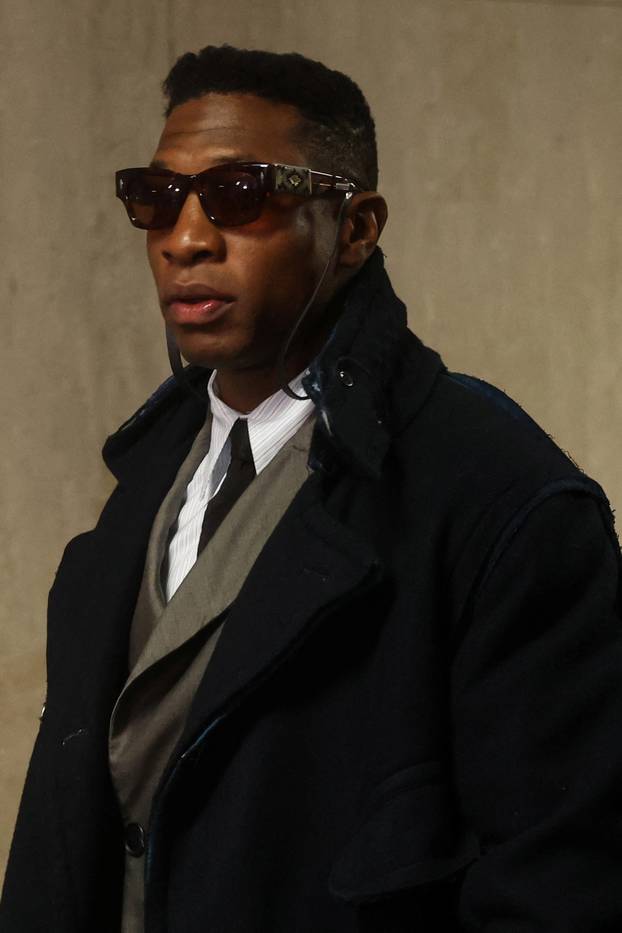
pixel 343 652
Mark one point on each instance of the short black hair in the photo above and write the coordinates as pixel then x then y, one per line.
pixel 337 130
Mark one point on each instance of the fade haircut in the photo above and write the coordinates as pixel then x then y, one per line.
pixel 336 129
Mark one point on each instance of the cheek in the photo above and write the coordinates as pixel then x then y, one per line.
pixel 266 267
pixel 280 260
pixel 152 248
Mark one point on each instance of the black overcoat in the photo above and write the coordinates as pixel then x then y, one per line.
pixel 412 719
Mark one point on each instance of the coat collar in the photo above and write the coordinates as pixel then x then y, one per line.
pixel 358 381
pixel 369 380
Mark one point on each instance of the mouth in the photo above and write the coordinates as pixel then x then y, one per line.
pixel 195 304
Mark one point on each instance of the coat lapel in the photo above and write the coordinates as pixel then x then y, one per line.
pixel 100 573
pixel 310 563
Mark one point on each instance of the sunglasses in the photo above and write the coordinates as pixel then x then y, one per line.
pixel 231 194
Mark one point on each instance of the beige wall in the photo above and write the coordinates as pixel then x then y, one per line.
pixel 500 135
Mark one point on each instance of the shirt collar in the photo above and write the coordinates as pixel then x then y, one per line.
pixel 270 424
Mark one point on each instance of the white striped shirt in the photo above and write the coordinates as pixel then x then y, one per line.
pixel 270 425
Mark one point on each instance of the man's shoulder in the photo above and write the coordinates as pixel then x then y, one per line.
pixel 471 442
pixel 484 417
pixel 477 467
pixel 479 415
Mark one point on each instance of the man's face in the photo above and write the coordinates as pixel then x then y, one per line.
pixel 269 267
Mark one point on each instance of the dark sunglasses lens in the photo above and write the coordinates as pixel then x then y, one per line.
pixel 153 201
pixel 233 196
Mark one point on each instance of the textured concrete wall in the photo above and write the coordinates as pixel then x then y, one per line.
pixel 500 134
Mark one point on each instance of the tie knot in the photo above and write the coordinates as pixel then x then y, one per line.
pixel 240 442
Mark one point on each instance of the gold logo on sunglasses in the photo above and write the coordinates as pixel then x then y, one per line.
pixel 289 178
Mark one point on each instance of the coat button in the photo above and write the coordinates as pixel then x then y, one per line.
pixel 346 377
pixel 134 839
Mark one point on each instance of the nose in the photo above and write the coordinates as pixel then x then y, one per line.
pixel 194 238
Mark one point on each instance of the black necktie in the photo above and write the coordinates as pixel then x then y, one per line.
pixel 240 474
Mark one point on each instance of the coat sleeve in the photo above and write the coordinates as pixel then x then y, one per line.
pixel 537 716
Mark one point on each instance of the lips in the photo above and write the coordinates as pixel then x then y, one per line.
pixel 195 303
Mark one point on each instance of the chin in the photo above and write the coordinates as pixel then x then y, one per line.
pixel 199 350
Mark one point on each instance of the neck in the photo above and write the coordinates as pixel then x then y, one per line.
pixel 244 390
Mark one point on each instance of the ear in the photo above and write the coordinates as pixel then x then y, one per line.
pixel 365 217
